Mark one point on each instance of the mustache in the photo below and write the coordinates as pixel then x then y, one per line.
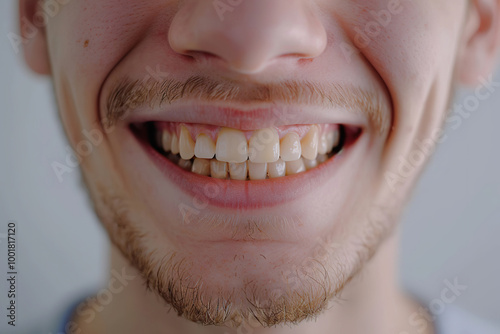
pixel 128 95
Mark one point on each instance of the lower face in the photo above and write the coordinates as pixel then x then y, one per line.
pixel 239 209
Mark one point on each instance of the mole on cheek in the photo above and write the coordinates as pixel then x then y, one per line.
pixel 86 43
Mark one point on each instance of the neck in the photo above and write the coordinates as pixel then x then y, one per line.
pixel 372 302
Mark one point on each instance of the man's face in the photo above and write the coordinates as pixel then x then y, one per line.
pixel 373 78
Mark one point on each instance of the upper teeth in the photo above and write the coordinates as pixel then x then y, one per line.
pixel 266 153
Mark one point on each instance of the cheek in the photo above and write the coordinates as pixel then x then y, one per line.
pixel 87 39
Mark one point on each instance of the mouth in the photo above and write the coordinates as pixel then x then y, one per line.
pixel 246 168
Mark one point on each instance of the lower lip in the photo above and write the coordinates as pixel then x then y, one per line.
pixel 237 194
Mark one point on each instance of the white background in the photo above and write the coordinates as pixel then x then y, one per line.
pixel 451 227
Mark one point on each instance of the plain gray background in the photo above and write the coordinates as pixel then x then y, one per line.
pixel 450 229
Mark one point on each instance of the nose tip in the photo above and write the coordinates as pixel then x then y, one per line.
pixel 248 37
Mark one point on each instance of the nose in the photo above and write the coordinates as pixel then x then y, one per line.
pixel 247 35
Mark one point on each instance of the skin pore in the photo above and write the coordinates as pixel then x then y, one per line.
pixel 325 258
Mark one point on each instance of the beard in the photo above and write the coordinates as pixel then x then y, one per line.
pixel 301 286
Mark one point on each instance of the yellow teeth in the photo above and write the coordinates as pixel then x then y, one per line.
pixel 257 171
pixel 263 156
pixel 290 148
pixel 276 169
pixel 201 166
pixel 264 146
pixel 166 140
pixel 205 147
pixel 184 164
pixel 310 164
pixel 218 169
pixel 186 144
pixel 174 147
pixel 309 143
pixel 238 171
pixel 295 167
pixel 231 146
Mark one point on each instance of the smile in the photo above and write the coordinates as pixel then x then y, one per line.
pixel 244 168
pixel 227 153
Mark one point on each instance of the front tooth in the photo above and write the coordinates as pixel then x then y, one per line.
pixel 332 139
pixel 290 148
pixel 295 167
pixel 205 147
pixel 257 171
pixel 166 140
pixel 218 169
pixel 186 144
pixel 310 163
pixel 322 144
pixel 309 143
pixel 174 147
pixel 276 169
pixel 231 146
pixel 238 171
pixel 201 166
pixel 184 164
pixel 264 146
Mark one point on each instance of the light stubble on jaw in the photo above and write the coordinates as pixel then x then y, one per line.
pixel 172 277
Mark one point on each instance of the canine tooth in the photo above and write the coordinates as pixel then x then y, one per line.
pixel 174 147
pixel 204 147
pixel 310 163
pixel 322 144
pixel 231 146
pixel 201 166
pixel 332 139
pixel 186 144
pixel 218 169
pixel 184 164
pixel 276 169
pixel 264 146
pixel 238 171
pixel 295 167
pixel 290 148
pixel 257 171
pixel 309 143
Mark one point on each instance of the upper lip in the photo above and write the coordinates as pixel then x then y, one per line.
pixel 246 119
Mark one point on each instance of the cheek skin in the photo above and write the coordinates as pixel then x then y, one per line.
pixel 414 56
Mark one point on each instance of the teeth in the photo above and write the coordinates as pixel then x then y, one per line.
pixel 276 169
pixel 309 143
pixel 322 158
pixel 332 139
pixel 264 156
pixel 231 146
pixel 166 140
pixel 186 144
pixel 174 147
pixel 205 147
pixel 264 146
pixel 295 167
pixel 218 169
pixel 184 164
pixel 322 144
pixel 290 148
pixel 201 166
pixel 310 163
pixel 257 171
pixel 238 171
